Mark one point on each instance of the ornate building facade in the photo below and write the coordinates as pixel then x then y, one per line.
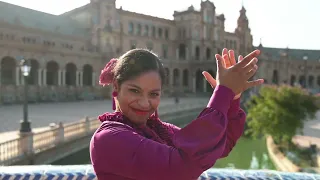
pixel 67 51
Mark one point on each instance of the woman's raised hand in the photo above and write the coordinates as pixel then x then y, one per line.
pixel 229 60
pixel 236 77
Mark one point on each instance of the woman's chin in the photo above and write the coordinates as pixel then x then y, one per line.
pixel 139 118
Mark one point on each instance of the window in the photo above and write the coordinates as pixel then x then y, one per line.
pixel 146 30
pixel 164 51
pixel 153 31
pixel 131 28
pixel 139 29
pixel 208 53
pixel 166 33
pixel 184 33
pixel 160 32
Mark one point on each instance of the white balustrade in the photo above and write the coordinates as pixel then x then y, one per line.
pixel 33 143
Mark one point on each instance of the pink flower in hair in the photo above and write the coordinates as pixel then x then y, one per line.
pixel 107 74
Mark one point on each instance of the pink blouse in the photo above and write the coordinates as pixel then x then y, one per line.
pixel 118 152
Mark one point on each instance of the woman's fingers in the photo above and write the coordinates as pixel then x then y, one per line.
pixel 250 65
pixel 247 59
pixel 240 58
pixel 226 58
pixel 209 78
pixel 253 83
pixel 252 72
pixel 232 58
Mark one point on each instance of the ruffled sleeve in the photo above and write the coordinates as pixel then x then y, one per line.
pixel 117 149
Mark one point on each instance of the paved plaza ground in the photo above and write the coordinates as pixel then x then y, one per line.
pixel 311 133
pixel 43 114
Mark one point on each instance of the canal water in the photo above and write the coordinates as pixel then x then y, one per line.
pixel 247 154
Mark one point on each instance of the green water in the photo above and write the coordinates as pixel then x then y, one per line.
pixel 247 154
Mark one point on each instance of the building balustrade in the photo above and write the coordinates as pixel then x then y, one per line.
pixel 26 145
pixel 13 94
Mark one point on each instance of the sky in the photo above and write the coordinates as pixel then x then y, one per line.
pixel 275 23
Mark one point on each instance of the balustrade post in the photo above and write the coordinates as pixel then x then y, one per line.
pixel 26 143
pixel 87 125
pixel 60 134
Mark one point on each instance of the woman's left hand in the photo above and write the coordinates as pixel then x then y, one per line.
pixel 229 60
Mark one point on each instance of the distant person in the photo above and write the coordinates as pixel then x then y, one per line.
pixel 132 143
pixel 176 97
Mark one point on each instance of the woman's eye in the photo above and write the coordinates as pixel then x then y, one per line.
pixel 134 90
pixel 155 94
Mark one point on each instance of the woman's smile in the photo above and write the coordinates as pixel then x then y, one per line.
pixel 140 112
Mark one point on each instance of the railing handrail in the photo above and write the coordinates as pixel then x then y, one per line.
pixel 86 172
pixel 36 142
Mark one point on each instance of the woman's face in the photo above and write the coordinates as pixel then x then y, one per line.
pixel 138 98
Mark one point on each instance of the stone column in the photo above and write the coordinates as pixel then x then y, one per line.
pixel 44 80
pixel 18 76
pixel 63 76
pixel 40 77
pixel 59 77
pixel 77 78
pixel 81 78
pixel 181 78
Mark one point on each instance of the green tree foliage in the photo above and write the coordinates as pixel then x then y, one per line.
pixel 279 111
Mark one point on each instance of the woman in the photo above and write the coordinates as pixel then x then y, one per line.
pixel 133 144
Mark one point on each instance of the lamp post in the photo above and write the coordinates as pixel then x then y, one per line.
pixel 25 125
pixel 305 58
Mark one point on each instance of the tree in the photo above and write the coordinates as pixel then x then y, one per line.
pixel 280 111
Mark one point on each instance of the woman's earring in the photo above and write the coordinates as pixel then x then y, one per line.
pixel 114 94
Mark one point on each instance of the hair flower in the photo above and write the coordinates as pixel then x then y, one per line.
pixel 107 74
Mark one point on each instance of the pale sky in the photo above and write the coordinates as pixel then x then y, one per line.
pixel 280 23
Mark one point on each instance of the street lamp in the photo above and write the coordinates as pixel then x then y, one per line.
pixel 305 58
pixel 25 125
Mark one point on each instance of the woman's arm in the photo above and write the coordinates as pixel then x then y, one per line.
pixel 116 149
pixel 236 122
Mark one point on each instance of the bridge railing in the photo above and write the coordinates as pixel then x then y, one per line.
pixel 27 144
pixel 86 172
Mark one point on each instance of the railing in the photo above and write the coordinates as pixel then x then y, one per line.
pixel 33 143
pixel 86 172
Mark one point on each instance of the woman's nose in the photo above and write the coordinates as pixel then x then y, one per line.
pixel 144 103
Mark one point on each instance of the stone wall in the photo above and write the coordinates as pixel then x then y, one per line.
pixel 281 162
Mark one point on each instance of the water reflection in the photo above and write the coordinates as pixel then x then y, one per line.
pixel 255 164
pixel 254 161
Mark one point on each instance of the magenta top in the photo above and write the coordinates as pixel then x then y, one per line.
pixel 161 151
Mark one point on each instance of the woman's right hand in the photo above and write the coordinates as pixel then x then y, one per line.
pixel 236 77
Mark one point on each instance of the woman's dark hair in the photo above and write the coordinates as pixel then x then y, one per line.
pixel 136 62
